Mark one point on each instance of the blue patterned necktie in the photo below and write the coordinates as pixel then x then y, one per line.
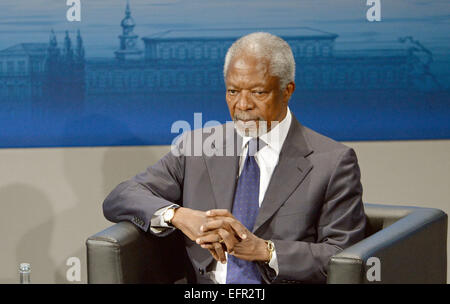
pixel 245 210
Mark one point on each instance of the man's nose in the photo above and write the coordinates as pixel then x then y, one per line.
pixel 244 100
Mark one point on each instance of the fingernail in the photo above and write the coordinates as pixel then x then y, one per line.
pixel 202 228
pixel 198 241
pixel 244 236
pixel 208 212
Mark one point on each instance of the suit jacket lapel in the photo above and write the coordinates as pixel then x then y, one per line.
pixel 291 170
pixel 223 168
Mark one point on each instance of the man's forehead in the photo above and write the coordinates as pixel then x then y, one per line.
pixel 236 80
pixel 248 84
pixel 248 61
pixel 253 71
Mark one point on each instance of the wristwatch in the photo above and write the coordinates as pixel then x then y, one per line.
pixel 271 249
pixel 168 215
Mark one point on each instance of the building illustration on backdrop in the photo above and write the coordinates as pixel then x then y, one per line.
pixel 190 62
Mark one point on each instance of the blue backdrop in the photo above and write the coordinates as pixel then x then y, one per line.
pixel 125 74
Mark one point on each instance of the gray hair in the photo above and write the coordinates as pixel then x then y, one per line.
pixel 269 47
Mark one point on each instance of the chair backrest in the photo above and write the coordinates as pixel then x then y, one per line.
pixel 409 243
pixel 380 217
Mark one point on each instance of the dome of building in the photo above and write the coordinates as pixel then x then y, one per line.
pixel 128 22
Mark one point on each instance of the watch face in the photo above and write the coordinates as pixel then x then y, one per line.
pixel 168 215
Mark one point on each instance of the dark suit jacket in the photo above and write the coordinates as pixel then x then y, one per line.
pixel 312 208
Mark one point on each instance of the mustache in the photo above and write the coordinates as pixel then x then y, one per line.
pixel 245 116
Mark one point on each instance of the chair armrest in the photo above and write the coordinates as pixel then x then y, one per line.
pixel 123 253
pixel 411 248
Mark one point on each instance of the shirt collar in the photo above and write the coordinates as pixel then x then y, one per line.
pixel 276 136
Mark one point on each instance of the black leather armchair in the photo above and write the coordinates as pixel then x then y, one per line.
pixel 410 242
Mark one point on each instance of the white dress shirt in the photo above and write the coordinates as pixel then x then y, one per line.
pixel 267 159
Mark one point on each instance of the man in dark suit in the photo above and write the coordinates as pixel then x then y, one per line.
pixel 267 199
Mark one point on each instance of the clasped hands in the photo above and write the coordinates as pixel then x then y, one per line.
pixel 219 231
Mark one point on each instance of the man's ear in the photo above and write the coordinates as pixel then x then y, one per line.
pixel 288 91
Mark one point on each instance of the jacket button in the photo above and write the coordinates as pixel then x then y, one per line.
pixel 201 271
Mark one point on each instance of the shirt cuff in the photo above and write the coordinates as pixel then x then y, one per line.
pixel 273 263
pixel 157 223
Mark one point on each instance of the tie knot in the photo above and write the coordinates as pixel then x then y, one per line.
pixel 254 145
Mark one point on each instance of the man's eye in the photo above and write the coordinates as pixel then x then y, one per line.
pixel 232 92
pixel 259 93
